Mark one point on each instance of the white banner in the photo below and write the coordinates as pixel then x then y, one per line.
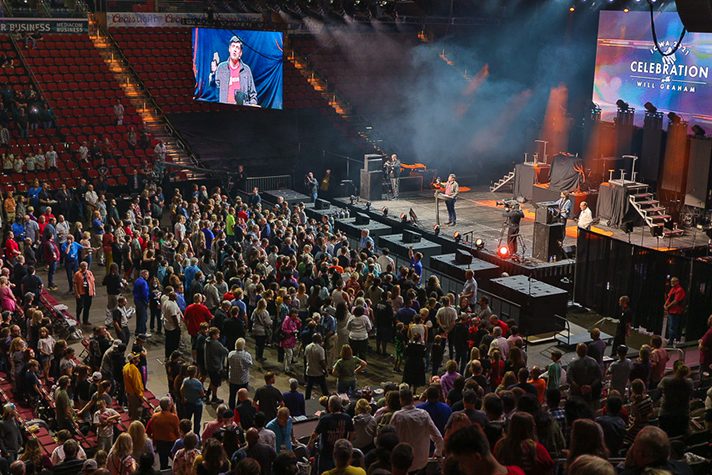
pixel 152 20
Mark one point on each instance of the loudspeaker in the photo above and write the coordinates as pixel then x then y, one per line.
pixel 696 15
pixel 547 241
pixel 371 185
pixel 462 257
pixel 321 204
pixel 410 236
pixel 699 173
pixel 362 219
pixel 373 162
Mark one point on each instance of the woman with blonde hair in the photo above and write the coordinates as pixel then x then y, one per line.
pixel 364 426
pixel 141 443
pixel 590 465
pixel 261 325
pixel 508 380
pixel 120 461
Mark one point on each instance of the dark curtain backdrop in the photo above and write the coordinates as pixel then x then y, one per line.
pixel 564 176
pixel 607 268
pixel 261 51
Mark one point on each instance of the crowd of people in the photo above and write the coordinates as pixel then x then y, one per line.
pixel 229 282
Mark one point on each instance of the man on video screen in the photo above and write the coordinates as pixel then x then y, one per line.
pixel 233 78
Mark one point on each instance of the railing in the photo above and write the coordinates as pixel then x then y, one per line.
pixel 180 141
pixel 273 182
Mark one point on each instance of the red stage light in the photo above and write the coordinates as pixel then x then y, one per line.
pixel 503 252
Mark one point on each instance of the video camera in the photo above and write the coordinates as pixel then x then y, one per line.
pixel 507 203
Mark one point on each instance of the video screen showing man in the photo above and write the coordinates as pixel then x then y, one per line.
pixel 239 67
pixel 233 77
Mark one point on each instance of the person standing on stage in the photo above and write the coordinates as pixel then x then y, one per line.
pixel 565 207
pixel 625 317
pixel 514 216
pixel 394 170
pixel 674 308
pixel 452 189
pixel 312 186
pixel 585 219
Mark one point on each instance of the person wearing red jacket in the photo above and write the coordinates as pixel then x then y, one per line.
pixel 195 314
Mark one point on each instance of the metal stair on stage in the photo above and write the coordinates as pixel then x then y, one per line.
pixel 652 212
pixel 507 179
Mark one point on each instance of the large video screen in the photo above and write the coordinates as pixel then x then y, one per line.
pixel 241 67
pixel 629 67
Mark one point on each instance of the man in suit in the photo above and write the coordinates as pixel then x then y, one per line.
pixel 233 78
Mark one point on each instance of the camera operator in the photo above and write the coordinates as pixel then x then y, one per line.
pixel 514 216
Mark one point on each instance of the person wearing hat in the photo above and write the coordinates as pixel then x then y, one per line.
pixel 133 385
pixel 233 77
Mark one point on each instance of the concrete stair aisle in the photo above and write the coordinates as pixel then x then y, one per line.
pixel 363 129
pixel 156 123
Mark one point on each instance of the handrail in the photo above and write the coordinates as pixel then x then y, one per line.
pixel 33 78
pixel 180 140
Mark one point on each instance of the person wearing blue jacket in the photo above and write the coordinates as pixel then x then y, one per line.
pixel 141 295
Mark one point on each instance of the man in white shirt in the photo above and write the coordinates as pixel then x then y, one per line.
pixel 92 199
pixel 586 217
pixel 469 291
pixel 415 427
pixel 51 158
pixel 30 163
pixel 384 260
pixel 84 152
pixel 171 314
pixel 62 228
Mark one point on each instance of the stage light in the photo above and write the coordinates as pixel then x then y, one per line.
pixel 413 216
pixel 572 9
pixel 625 10
pixel 457 237
pixel 436 230
pixel 503 252
pixel 674 118
pixel 698 131
pixel 479 244
pixel 650 108
pixel 384 211
pixel 622 105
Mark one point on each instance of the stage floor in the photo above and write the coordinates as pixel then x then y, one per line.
pixel 477 213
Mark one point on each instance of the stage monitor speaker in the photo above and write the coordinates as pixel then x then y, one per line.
pixel 371 185
pixel 696 15
pixel 547 241
pixel 362 219
pixel 462 257
pixel 321 204
pixel 373 162
pixel 410 236
pixel 699 174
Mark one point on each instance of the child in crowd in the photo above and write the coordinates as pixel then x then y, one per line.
pixel 437 353
pixel 553 371
pixel 400 340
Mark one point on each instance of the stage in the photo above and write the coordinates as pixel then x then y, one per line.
pixel 477 213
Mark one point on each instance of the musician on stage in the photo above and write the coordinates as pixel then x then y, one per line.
pixel 514 216
pixel 393 170
pixel 565 207
pixel 452 189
